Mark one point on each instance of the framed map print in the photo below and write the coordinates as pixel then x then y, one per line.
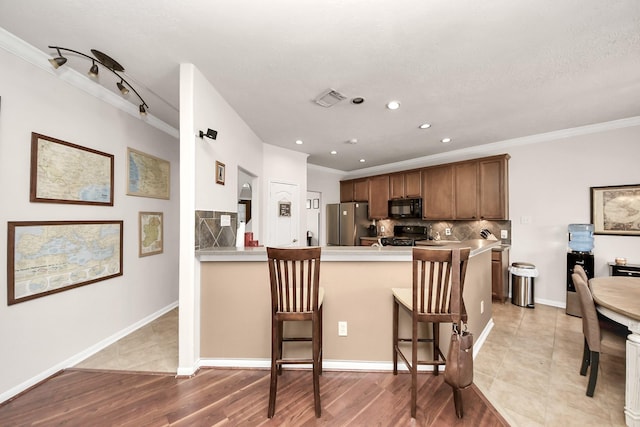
pixel 147 175
pixel 151 233
pixel 62 172
pixel 47 257
pixel 616 210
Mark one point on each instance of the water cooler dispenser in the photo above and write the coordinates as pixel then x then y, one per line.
pixel 580 246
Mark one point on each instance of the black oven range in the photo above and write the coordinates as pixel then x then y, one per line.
pixel 406 235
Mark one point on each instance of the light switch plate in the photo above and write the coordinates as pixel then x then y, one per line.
pixel 342 329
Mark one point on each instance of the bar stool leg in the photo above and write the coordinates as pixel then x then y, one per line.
pixel 276 350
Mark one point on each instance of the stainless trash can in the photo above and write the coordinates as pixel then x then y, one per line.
pixel 522 283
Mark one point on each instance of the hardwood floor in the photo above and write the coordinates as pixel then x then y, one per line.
pixel 239 398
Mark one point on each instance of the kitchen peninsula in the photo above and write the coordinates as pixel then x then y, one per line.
pixel 235 303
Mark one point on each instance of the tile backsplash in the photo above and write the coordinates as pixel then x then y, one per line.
pixel 210 233
pixel 460 230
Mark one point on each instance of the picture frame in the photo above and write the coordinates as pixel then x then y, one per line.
pixel 316 203
pixel 615 210
pixel 284 208
pixel 150 233
pixel 48 257
pixel 147 175
pixel 220 172
pixel 62 172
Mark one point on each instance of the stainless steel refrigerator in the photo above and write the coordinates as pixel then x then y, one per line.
pixel 346 223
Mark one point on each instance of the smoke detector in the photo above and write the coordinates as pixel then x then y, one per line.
pixel 329 98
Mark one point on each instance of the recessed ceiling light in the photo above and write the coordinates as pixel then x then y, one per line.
pixel 425 126
pixel 299 141
pixel 357 100
pixel 362 160
pixel 445 140
pixel 334 152
pixel 393 105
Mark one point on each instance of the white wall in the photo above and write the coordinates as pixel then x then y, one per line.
pixel 46 334
pixel 550 182
pixel 550 176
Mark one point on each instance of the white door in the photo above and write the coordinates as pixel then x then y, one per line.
pixel 284 214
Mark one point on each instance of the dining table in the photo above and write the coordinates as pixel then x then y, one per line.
pixel 618 298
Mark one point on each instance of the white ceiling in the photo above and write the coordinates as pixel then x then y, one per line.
pixel 478 71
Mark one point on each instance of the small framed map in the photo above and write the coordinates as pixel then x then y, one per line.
pixel 62 172
pixel 616 210
pixel 151 233
pixel 147 175
pixel 47 257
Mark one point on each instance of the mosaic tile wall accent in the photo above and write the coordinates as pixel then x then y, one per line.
pixel 460 230
pixel 209 232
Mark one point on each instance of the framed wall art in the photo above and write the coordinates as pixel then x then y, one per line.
pixel 151 233
pixel 62 172
pixel 220 173
pixel 47 257
pixel 147 175
pixel 616 210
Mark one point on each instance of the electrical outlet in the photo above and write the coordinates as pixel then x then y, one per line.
pixel 447 232
pixel 342 328
pixel 481 307
pixel 504 234
pixel 382 228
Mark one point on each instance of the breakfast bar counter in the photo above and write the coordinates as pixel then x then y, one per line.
pixel 235 303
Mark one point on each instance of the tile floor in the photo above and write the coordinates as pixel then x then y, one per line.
pixel 152 348
pixel 528 367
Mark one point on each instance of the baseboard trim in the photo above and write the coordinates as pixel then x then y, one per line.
pixel 79 357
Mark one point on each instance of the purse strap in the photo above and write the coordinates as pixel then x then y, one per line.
pixel 456 297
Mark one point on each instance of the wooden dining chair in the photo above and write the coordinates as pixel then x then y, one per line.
pixel 435 273
pixel 598 332
pixel 296 296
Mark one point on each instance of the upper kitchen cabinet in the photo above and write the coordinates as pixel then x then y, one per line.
pixel 437 192
pixel 481 188
pixel 379 197
pixel 405 184
pixel 466 190
pixel 354 190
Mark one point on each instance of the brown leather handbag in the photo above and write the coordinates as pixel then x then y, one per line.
pixel 459 370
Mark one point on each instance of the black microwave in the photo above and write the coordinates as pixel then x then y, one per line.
pixel 405 208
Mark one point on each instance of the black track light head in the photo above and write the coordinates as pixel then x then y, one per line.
pixel 212 134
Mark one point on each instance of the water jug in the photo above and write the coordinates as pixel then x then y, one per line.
pixel 581 237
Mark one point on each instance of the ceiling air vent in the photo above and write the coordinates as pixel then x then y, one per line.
pixel 329 98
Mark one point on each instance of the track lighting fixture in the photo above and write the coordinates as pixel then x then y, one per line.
pixel 107 62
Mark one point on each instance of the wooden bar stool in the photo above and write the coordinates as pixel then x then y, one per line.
pixel 435 273
pixel 294 274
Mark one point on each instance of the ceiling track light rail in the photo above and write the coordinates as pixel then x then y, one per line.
pixel 107 62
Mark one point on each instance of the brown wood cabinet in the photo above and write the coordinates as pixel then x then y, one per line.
pixel 493 188
pixel 500 275
pixel 405 184
pixel 379 197
pixel 466 190
pixel 437 192
pixel 354 190
pixel 482 188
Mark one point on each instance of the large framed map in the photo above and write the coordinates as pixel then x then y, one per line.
pixel 616 210
pixel 46 257
pixel 62 172
pixel 147 175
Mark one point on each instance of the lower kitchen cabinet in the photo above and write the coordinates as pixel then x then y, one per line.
pixel 500 274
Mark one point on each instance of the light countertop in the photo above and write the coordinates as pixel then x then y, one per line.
pixel 344 253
